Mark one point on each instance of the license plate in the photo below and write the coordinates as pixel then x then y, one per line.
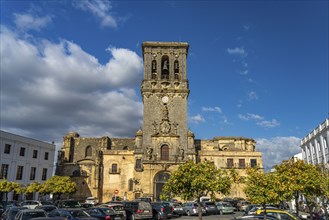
pixel 147 211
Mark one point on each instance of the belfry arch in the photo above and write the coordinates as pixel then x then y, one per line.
pixel 159 180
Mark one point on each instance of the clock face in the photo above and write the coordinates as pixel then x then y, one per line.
pixel 165 99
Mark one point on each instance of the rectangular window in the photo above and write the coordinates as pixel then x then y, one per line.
pixel 114 168
pixel 138 164
pixel 44 174
pixel 4 171
pixel 32 174
pixel 242 163
pixel 22 152
pixel 35 154
pixel 230 163
pixel 46 155
pixel 253 162
pixel 19 173
pixel 7 148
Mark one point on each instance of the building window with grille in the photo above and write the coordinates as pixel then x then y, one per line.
pixel 32 174
pixel 138 165
pixel 242 163
pixel 44 174
pixel 253 162
pixel 114 168
pixel 131 185
pixel 35 154
pixel 176 66
pixel 46 155
pixel 19 173
pixel 4 171
pixel 230 163
pixel 154 66
pixel 22 152
pixel 165 152
pixel 7 148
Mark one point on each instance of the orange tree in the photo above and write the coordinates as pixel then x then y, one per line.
pixel 58 185
pixel 262 188
pixel 194 180
pixel 7 187
pixel 324 187
pixel 298 178
pixel 33 187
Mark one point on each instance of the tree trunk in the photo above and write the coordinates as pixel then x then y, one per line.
pixel 199 208
pixel 297 204
pixel 264 207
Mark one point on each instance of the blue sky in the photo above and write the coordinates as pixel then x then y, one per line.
pixel 257 69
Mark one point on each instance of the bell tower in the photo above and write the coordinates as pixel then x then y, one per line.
pixel 165 137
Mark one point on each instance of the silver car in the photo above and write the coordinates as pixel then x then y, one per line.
pixel 191 208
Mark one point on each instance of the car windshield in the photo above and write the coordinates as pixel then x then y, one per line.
pixel 210 203
pixel 117 208
pixel 71 204
pixel 78 213
pixel 144 205
pixel 108 211
pixel 227 205
pixel 29 215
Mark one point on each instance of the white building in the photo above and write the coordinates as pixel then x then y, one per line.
pixel 315 145
pixel 25 160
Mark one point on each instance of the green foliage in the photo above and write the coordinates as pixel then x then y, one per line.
pixel 6 187
pixel 33 187
pixel 262 188
pixel 58 185
pixel 193 180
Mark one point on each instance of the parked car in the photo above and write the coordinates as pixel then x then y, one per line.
pixel 91 200
pixel 68 204
pixel 26 214
pixel 104 213
pixel 162 210
pixel 10 212
pixel 71 214
pixel 47 208
pixel 30 204
pixel 280 214
pixel 210 207
pixel 191 208
pixel 252 217
pixel 119 208
pixel 224 208
pixel 242 205
pixel 259 207
pixel 138 210
pixel 177 209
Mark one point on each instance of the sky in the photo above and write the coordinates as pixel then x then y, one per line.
pixel 256 69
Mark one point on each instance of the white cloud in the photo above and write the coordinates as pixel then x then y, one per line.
pixel 50 88
pixel 246 27
pixel 268 124
pixel 196 119
pixel 250 117
pixel 244 72
pixel 100 9
pixel 237 51
pixel 30 22
pixel 252 96
pixel 212 109
pixel 277 149
pixel 260 121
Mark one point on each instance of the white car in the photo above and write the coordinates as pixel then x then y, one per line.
pixel 30 204
pixel 91 200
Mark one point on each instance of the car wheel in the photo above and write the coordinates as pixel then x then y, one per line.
pixel 158 217
pixel 188 213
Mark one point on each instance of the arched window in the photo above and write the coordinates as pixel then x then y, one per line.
pixel 138 164
pixel 76 173
pixel 88 152
pixel 130 185
pixel 165 152
pixel 165 67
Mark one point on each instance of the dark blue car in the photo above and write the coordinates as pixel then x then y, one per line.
pixel 71 214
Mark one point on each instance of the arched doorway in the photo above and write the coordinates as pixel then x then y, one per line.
pixel 159 180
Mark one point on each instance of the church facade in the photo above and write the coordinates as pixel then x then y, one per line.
pixel 107 167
